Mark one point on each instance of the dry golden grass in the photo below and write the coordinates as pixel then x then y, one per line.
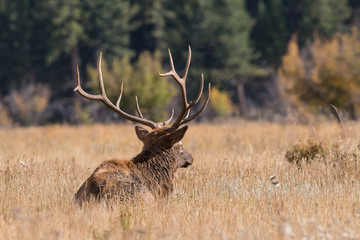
pixel 225 194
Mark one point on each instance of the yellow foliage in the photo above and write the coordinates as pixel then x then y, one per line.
pixel 27 103
pixel 292 64
pixel 220 102
pixel 330 76
pixel 81 113
pixel 19 101
pixel 5 120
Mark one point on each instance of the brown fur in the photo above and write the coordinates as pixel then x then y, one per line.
pixel 149 174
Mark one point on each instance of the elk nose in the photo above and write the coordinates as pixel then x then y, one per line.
pixel 188 161
pixel 187 164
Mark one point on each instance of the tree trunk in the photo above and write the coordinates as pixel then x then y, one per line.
pixel 75 61
pixel 242 99
pixel 355 17
pixel 353 113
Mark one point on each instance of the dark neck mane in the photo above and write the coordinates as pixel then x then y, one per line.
pixel 157 169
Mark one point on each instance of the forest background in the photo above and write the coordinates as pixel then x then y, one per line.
pixel 265 59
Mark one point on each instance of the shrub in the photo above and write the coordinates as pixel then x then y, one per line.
pixel 140 79
pixel 220 103
pixel 306 152
pixel 334 154
pixel 27 103
pixel 5 120
pixel 81 113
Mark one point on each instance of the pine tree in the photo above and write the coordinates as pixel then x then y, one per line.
pixel 270 33
pixel 278 20
pixel 22 41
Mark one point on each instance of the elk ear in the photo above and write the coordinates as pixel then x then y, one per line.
pixel 177 135
pixel 141 133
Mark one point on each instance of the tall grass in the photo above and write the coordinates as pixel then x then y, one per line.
pixel 225 194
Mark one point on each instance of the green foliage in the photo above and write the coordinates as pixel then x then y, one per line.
pixel 220 103
pixel 270 33
pixel 97 24
pixel 198 23
pixel 238 53
pixel 140 79
pixel 44 41
pixel 149 21
pixel 218 32
pixel 68 30
pixel 324 17
pixel 154 92
pixel 108 25
pixel 22 28
pixel 278 20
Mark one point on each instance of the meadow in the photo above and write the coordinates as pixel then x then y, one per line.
pixel 226 194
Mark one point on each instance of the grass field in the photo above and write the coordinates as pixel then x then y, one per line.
pixel 225 194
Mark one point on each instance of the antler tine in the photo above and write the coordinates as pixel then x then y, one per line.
pixel 100 77
pixel 192 103
pixel 171 61
pixel 181 82
pixel 116 108
pixel 120 95
pixel 172 72
pixel 185 111
pixel 187 64
pixel 79 89
pixel 188 119
pixel 170 118
pixel 160 123
pixel 138 108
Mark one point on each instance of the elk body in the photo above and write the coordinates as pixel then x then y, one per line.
pixel 149 174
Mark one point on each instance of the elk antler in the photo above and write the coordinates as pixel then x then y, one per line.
pixel 185 111
pixel 116 108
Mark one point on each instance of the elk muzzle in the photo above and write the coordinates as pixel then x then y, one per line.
pixel 186 158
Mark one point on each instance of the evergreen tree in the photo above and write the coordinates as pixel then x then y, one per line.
pixel 149 21
pixel 107 25
pixel 325 17
pixel 22 41
pixel 82 28
pixel 354 19
pixel 278 20
pixel 218 32
pixel 270 33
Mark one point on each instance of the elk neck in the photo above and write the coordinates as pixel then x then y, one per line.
pixel 157 168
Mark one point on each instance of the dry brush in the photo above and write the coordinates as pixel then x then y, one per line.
pixel 225 194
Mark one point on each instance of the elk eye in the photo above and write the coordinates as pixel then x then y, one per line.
pixel 178 146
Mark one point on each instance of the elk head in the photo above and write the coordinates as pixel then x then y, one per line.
pixel 166 138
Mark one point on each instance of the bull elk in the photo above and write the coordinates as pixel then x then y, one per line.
pixel 151 172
